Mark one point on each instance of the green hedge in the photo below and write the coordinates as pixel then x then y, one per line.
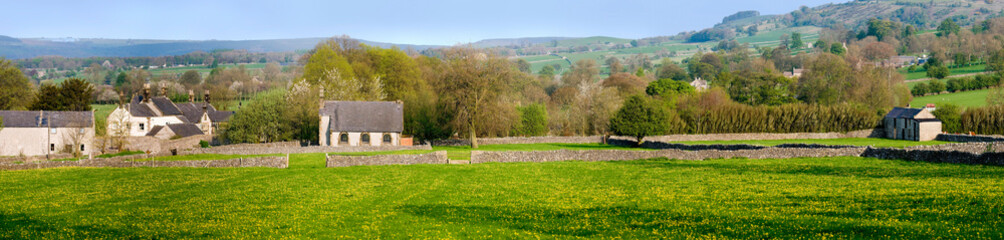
pixel 788 118
pixel 984 120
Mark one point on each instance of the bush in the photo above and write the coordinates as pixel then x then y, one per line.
pixel 950 116
pixel 668 87
pixel 203 144
pixel 639 117
pixel 920 89
pixel 533 121
pixel 984 120
pixel 711 114
pixel 938 72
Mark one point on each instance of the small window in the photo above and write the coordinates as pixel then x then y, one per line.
pixel 52 147
pixel 81 147
pixel 81 131
pixel 365 138
pixel 386 138
pixel 52 130
pixel 343 137
pixel 141 127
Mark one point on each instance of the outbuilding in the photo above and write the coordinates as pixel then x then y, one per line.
pixel 911 124
pixel 359 123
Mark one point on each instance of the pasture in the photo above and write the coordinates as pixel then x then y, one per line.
pixel 847 197
pixel 976 98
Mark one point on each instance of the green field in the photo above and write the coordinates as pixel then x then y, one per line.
pixel 921 73
pixel 977 98
pixel 464 153
pixel 814 198
pixel 874 142
pixel 201 69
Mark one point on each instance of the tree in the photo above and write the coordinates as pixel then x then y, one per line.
pixel 547 72
pixel 668 87
pixel 938 72
pixel 73 94
pixel 796 40
pixel 533 120
pixel 936 86
pixel 582 71
pixel 837 49
pixel 121 79
pixel 669 70
pixel 626 84
pixel 324 59
pixel 920 89
pixel 190 78
pixel 16 91
pixel 948 27
pixel 950 115
pixel 474 81
pixel 638 118
pixel 615 65
pixel 261 121
pixel 996 62
pixel 523 65
pixel 996 96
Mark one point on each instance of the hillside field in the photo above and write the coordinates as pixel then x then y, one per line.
pixel 845 197
pixel 977 98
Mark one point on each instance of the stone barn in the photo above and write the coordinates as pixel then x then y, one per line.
pixel 911 124
pixel 351 123
pixel 41 133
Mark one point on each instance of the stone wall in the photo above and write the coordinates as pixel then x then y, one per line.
pixel 969 138
pixel 868 133
pixel 270 162
pixel 994 157
pixel 622 155
pixel 438 157
pixel 157 145
pixel 254 149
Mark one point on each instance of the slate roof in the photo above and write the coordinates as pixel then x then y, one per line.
pixel 193 111
pixel 165 106
pixel 55 119
pixel 903 113
pixel 349 116
pixel 220 116
pixel 185 129
pixel 154 131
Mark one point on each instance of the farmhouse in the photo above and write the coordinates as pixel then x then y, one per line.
pixel 37 133
pixel 159 117
pixel 345 123
pixel 699 84
pixel 911 124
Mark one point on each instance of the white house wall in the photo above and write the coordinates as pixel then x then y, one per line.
pixel 35 141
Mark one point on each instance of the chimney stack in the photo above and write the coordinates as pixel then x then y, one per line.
pixel 191 96
pixel 205 107
pixel 163 91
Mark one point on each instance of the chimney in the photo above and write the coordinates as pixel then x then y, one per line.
pixel 146 93
pixel 191 96
pixel 163 91
pixel 205 107
pixel 320 98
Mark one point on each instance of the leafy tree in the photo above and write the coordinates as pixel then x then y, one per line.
pixel 996 96
pixel 669 70
pixel 948 27
pixel 547 72
pixel 796 40
pixel 951 116
pixel 825 80
pixel 533 120
pixel 325 59
pixel 16 91
pixel 920 89
pixel 936 86
pixel 996 62
pixel 938 72
pixel 626 84
pixel 523 65
pixel 584 70
pixel 121 79
pixel 638 118
pixel 837 49
pixel 668 87
pixel 261 121
pixel 190 78
pixel 473 82
pixel 73 94
pixel 634 43
pixel 615 65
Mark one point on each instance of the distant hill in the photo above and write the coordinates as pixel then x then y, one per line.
pixel 14 48
pixel 505 42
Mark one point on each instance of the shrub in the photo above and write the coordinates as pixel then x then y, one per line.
pixel 668 87
pixel 639 118
pixel 203 144
pixel 950 115
pixel 938 72
pixel 984 120
pixel 920 89
pixel 710 114
pixel 533 121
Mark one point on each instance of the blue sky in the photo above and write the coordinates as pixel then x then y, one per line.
pixel 444 22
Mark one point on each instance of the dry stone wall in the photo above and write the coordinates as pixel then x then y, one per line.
pixel 269 162
pixel 254 149
pixel 969 138
pixel 438 157
pixel 668 138
pixel 621 155
pixel 156 145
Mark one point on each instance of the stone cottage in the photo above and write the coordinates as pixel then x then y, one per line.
pixel 699 84
pixel 348 123
pixel 911 124
pixel 39 133
pixel 144 113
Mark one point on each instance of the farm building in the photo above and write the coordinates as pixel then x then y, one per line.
pixel 911 124
pixel 348 123
pixel 145 113
pixel 39 133
pixel 699 84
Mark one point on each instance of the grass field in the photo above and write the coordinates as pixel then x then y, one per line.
pixel 874 142
pixel 977 98
pixel 201 69
pixel 464 153
pixel 813 198
pixel 921 73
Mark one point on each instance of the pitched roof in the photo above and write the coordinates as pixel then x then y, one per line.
pixel 903 113
pixel 141 110
pixel 161 106
pixel 165 106
pixel 154 131
pixel 193 111
pixel 185 129
pixel 220 116
pixel 349 116
pixel 56 119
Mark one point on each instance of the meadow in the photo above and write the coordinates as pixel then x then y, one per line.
pixel 873 142
pixel 976 98
pixel 847 197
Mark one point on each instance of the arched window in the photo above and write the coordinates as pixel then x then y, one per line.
pixel 386 138
pixel 365 138
pixel 343 138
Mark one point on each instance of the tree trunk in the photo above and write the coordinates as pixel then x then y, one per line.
pixel 474 138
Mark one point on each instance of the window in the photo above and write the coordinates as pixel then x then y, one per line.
pixel 81 147
pixel 343 138
pixel 141 127
pixel 386 138
pixel 365 138
pixel 52 130
pixel 52 147
pixel 81 131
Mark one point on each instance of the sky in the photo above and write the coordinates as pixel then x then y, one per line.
pixel 432 22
